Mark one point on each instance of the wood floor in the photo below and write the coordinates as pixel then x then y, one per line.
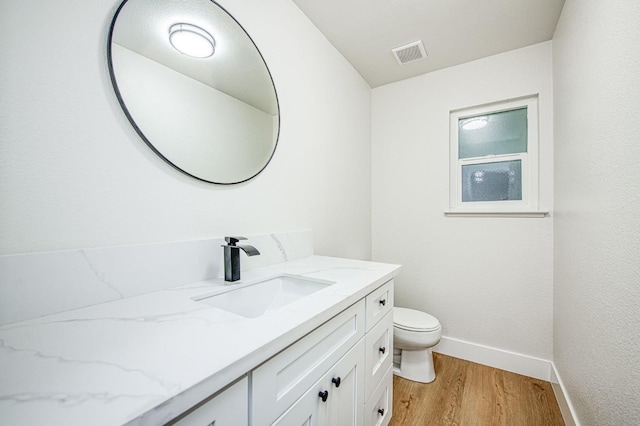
pixel 465 393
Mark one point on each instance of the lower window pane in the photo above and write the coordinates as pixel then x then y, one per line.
pixel 492 181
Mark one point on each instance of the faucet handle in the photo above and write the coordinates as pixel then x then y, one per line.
pixel 233 240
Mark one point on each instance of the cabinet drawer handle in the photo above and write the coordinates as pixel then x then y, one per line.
pixel 383 302
pixel 336 381
pixel 324 395
pixel 381 411
pixel 382 349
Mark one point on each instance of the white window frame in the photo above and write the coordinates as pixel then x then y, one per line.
pixel 528 206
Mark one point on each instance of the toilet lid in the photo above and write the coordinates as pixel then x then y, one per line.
pixel 412 320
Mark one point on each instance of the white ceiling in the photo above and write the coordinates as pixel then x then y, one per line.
pixel 453 31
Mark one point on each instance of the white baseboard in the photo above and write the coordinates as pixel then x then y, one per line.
pixel 566 408
pixel 514 362
pixel 497 358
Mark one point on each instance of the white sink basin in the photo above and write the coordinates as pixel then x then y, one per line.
pixel 252 300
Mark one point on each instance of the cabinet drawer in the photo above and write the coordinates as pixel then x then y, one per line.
pixel 379 352
pixel 228 407
pixel 280 381
pixel 378 409
pixel 379 303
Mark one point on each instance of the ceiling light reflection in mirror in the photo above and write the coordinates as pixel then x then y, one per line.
pixel 215 118
pixel 191 40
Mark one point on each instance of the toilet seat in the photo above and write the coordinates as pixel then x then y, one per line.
pixel 412 320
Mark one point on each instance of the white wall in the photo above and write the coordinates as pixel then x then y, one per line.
pixel 488 280
pixel 597 200
pixel 73 172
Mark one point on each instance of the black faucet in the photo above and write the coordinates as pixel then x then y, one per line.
pixel 232 257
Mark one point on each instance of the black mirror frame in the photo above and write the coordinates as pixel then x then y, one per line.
pixel 139 131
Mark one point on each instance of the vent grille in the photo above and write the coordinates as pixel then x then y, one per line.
pixel 409 52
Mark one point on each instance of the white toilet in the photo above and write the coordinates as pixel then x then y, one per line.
pixel 414 334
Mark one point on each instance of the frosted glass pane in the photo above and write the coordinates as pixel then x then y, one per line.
pixel 493 134
pixel 492 181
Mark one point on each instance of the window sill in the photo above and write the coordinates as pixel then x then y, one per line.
pixel 494 214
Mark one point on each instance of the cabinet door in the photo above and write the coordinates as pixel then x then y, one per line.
pixel 230 407
pixel 345 383
pixel 330 402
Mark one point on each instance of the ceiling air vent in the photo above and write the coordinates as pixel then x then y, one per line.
pixel 409 52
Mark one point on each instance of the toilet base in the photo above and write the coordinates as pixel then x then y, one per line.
pixel 416 366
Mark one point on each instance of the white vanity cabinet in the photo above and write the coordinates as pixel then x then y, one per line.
pixel 226 408
pixel 339 374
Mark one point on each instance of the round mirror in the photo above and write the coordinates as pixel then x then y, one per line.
pixel 195 87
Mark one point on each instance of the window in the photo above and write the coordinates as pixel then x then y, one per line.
pixel 494 158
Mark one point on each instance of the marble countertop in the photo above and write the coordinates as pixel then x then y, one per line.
pixel 145 359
